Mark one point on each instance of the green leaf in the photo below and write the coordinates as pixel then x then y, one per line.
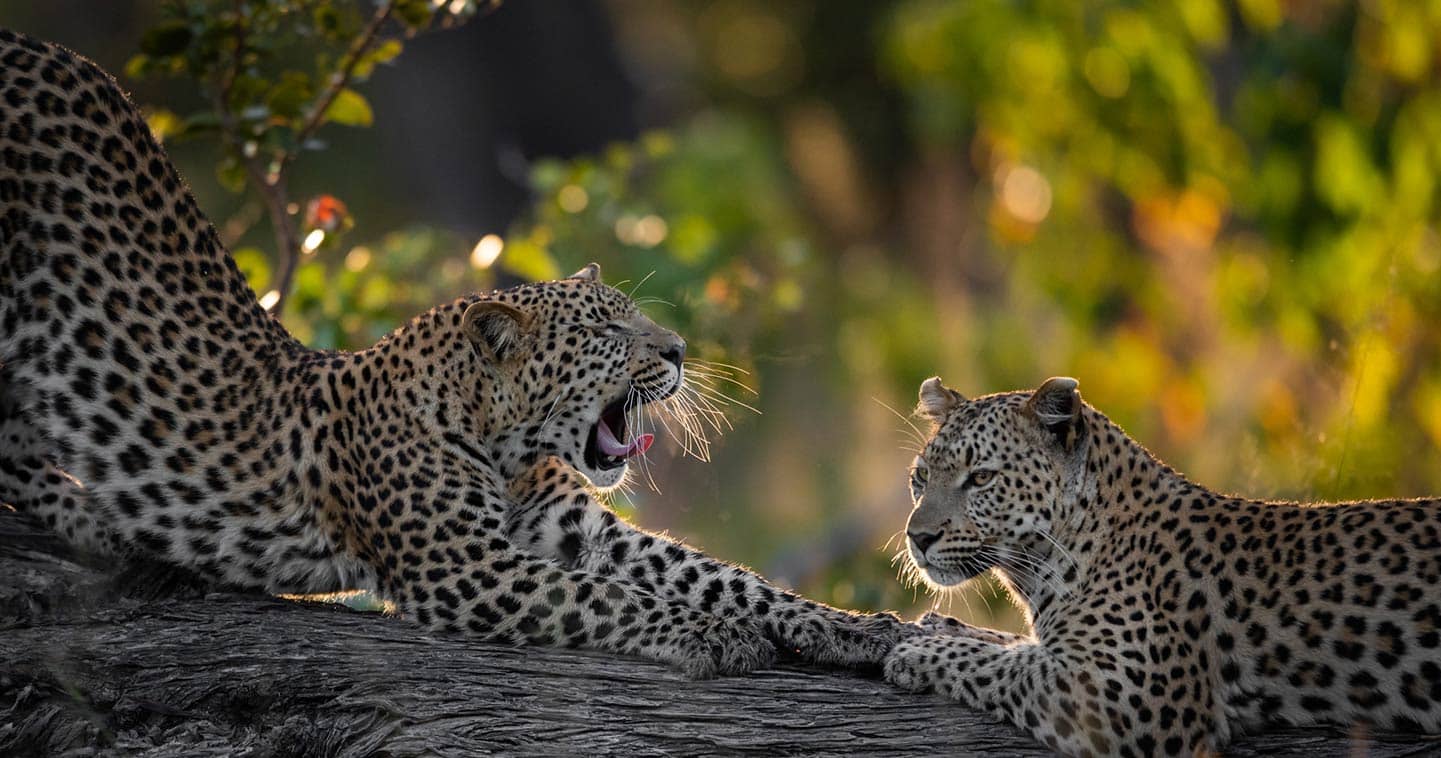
pixel 548 175
pixel 383 53
pixel 350 109
pixel 529 261
pixel 166 39
pixel 137 66
pixel 163 123
pixel 289 96
pixel 386 51
pixel 255 266
pixel 198 123
pixel 231 174
pixel 415 13
pixel 327 19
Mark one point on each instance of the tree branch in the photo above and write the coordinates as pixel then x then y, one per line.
pixel 339 81
pixel 269 183
pixel 270 175
pixel 89 660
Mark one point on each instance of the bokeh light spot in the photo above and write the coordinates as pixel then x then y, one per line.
pixel 312 241
pixel 485 252
pixel 358 258
pixel 572 198
pixel 1025 193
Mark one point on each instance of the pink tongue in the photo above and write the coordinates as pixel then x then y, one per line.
pixel 608 444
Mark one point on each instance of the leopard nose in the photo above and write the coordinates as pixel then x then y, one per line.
pixel 923 540
pixel 674 352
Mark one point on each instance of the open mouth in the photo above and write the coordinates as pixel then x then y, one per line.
pixel 609 445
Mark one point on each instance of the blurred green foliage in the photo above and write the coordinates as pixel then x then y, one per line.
pixel 267 65
pixel 1220 216
pixel 1227 210
pixel 701 219
pixel 272 73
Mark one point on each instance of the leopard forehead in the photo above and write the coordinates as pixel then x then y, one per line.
pixel 983 429
pixel 570 300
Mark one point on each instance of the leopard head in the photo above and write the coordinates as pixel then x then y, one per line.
pixel 988 485
pixel 571 364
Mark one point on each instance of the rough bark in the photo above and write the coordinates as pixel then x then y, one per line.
pixel 145 663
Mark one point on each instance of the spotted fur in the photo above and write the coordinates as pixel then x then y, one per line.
pixel 148 402
pixel 1167 618
pixel 556 516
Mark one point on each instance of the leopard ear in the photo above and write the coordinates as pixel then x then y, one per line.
pixel 496 329
pixel 937 400
pixel 1056 407
pixel 591 273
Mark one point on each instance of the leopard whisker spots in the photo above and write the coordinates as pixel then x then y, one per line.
pixel 697 411
pixel 1191 601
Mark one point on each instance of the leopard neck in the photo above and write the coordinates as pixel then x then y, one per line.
pixel 1116 482
pixel 427 378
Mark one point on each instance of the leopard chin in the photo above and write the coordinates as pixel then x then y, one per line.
pixel 945 577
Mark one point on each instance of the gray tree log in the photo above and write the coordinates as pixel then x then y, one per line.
pixel 143 663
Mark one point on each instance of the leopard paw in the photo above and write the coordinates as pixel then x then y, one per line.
pixel 937 623
pixel 846 639
pixel 907 667
pixel 713 647
pixel 944 626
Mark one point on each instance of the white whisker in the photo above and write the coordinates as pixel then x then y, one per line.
pixel 640 284
pixel 915 433
pixel 1064 552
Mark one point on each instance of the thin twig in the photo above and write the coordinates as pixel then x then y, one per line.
pixel 269 175
pixel 270 185
pixel 290 258
pixel 339 81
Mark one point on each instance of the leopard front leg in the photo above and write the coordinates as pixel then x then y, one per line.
pixel 936 623
pixel 1074 705
pixel 459 573
pixel 485 587
pixel 555 515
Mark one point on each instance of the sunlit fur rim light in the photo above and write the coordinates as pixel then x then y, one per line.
pixel 693 415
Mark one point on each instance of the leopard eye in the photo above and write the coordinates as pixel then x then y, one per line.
pixel 919 474
pixel 980 478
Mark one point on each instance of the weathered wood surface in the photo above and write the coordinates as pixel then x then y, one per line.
pixel 92 664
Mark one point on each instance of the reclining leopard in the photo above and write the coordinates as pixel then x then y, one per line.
pixel 148 402
pixel 1167 618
